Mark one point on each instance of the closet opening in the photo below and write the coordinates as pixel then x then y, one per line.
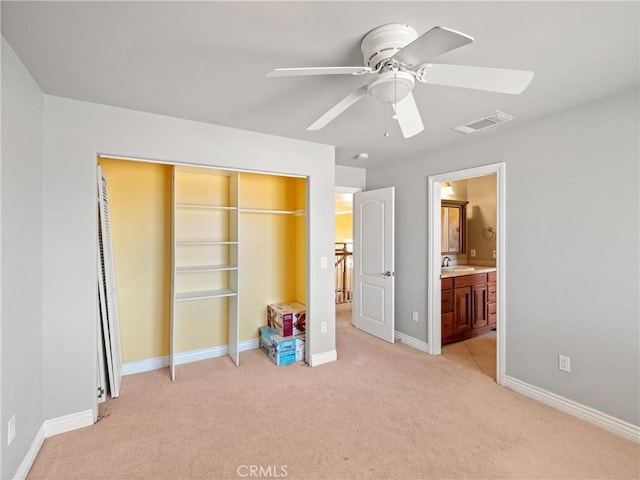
pixel 198 254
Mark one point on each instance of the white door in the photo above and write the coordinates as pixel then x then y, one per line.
pixel 107 291
pixel 102 375
pixel 373 259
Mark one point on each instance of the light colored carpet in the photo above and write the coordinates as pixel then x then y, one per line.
pixel 381 411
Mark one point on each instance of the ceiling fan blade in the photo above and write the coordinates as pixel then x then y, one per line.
pixel 408 116
pixel 298 72
pixel 498 80
pixel 435 42
pixel 340 107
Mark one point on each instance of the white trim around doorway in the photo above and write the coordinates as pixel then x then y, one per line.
pixel 352 191
pixel 433 257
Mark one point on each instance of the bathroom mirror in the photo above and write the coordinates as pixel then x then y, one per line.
pixel 453 220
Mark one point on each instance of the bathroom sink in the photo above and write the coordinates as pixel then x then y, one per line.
pixel 458 269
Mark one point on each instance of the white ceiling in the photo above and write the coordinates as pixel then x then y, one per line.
pixel 207 61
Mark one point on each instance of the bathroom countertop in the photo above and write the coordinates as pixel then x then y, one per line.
pixel 476 269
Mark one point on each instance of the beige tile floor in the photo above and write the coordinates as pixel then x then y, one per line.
pixel 478 353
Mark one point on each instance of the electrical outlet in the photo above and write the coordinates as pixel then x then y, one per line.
pixel 11 430
pixel 473 252
pixel 414 317
pixel 564 363
pixel 323 327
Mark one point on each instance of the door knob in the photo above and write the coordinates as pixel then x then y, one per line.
pixel 386 274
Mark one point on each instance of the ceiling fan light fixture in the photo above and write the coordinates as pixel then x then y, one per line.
pixel 391 87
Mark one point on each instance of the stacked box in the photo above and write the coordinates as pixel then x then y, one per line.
pixel 288 318
pixel 281 350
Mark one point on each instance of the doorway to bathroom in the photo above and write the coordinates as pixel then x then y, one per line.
pixel 466 296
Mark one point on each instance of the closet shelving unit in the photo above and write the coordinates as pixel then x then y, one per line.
pixel 205 252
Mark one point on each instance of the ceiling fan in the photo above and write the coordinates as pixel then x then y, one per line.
pixel 398 56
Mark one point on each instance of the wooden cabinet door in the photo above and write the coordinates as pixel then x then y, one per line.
pixel 461 309
pixel 479 307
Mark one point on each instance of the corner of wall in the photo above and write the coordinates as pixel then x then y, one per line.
pixel 22 389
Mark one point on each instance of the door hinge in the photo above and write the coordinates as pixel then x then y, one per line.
pixel 100 392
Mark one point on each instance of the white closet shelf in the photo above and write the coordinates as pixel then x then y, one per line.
pixel 205 207
pixel 204 242
pixel 201 295
pixel 206 268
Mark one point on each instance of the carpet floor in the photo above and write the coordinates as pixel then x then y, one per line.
pixel 382 411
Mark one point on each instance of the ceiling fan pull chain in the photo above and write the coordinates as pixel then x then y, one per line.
pixel 386 134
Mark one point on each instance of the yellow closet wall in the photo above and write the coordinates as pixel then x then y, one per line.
pixel 140 203
pixel 272 247
pixel 301 240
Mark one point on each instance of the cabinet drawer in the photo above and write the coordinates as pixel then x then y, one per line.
pixel 446 304
pixel 446 283
pixel 491 304
pixel 491 296
pixel 466 280
pixel 491 277
pixel 447 325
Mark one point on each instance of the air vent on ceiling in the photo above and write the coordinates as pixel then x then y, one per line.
pixel 484 122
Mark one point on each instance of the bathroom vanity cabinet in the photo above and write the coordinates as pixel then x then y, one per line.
pixel 468 306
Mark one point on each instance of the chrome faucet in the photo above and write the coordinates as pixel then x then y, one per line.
pixel 447 260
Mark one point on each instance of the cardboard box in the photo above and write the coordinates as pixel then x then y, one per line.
pixel 288 318
pixel 281 350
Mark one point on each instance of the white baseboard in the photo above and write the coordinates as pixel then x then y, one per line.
pixel 411 342
pixel 324 357
pixel 591 415
pixel 54 426
pixel 185 357
pixel 50 427
pixel 30 457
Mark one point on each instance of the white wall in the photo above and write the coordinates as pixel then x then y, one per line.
pixel 75 132
pixel 351 177
pixel 22 244
pixel 572 257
